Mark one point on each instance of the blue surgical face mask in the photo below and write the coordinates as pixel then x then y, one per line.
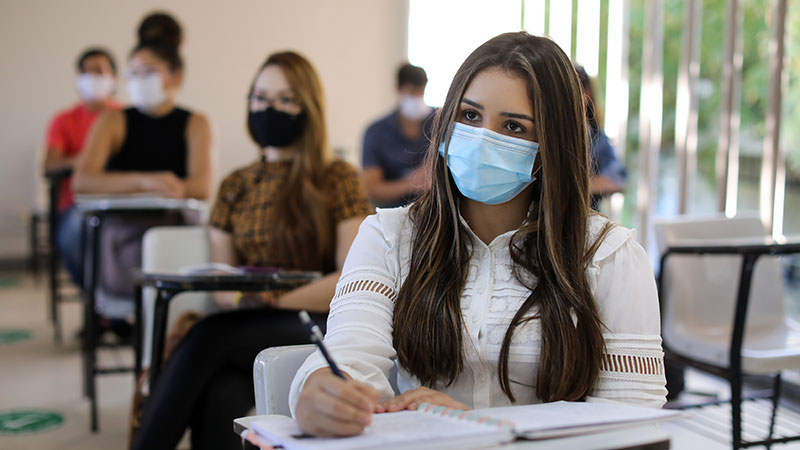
pixel 489 167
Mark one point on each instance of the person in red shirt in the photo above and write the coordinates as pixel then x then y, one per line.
pixel 96 84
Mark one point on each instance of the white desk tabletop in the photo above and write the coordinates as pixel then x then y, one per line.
pixel 639 437
pixel 135 201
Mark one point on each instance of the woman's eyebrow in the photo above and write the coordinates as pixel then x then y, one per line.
pixel 505 114
pixel 471 103
pixel 516 116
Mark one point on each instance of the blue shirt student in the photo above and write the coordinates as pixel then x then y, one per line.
pixel 388 148
pixel 604 162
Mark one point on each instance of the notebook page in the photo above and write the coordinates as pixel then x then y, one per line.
pixel 562 418
pixel 404 429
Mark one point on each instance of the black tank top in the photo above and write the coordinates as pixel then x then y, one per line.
pixel 153 143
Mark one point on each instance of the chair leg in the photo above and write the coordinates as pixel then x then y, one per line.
pixel 736 410
pixel 34 243
pixel 90 362
pixel 776 396
pixel 53 267
pixel 90 315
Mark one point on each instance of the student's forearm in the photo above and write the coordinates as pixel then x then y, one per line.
pixel 386 191
pixel 196 188
pixel 53 162
pixel 599 184
pixel 314 296
pixel 108 183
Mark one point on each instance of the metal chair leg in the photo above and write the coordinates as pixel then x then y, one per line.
pixel 90 365
pixel 53 267
pixel 34 246
pixel 90 320
pixel 53 260
pixel 776 396
pixel 736 410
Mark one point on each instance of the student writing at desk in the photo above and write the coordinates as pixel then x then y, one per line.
pixel 297 209
pixel 499 285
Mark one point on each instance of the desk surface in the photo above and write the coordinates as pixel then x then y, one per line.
pixel 202 282
pixel 134 202
pixel 649 437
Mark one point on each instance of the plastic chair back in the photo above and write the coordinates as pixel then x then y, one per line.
pixel 701 290
pixel 273 372
pixel 167 249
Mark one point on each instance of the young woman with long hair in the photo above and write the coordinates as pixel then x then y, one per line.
pixel 296 208
pixel 499 285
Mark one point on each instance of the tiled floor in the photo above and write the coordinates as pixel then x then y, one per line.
pixel 39 374
pixel 709 428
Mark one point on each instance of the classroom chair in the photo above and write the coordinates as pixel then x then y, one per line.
pixel 723 307
pixel 167 250
pixel 273 372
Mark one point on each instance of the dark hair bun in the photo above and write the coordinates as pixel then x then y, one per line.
pixel 162 28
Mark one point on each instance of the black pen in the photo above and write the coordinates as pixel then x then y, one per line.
pixel 316 337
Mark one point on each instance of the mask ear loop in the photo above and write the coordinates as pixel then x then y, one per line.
pixel 534 178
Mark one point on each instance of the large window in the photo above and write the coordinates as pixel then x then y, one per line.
pixel 442 33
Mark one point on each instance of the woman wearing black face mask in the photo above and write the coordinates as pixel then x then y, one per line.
pixel 295 208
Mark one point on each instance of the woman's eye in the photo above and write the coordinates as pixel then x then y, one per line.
pixel 287 100
pixel 514 127
pixel 471 115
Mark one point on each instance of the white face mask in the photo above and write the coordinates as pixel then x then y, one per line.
pixel 92 87
pixel 413 107
pixel 146 92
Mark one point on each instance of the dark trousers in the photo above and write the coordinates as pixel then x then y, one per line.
pixel 208 380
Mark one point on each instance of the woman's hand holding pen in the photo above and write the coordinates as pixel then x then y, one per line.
pixel 412 399
pixel 331 406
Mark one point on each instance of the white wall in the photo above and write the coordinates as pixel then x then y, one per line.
pixel 355 44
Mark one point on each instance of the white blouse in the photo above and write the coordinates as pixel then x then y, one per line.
pixel 359 332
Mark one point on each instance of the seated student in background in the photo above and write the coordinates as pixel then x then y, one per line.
pixel 394 146
pixel 607 173
pixel 153 146
pixel 296 208
pixel 96 84
pixel 499 285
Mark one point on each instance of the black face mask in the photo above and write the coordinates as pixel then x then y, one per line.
pixel 273 128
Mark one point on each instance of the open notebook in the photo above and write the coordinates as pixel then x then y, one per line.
pixel 435 427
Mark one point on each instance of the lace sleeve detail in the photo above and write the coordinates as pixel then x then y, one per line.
pixel 632 371
pixel 362 286
pixel 362 308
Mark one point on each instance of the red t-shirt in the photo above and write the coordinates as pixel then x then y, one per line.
pixel 67 134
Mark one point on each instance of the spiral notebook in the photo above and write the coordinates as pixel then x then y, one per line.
pixel 437 427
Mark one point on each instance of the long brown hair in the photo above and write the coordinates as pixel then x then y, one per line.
pixel 301 219
pixel 551 245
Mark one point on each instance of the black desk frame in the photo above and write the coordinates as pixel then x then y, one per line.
pixel 733 373
pixel 54 179
pixel 167 286
pixel 93 221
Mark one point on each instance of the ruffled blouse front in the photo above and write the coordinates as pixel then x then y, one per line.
pixel 361 318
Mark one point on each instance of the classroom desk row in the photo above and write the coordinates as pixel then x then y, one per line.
pixel 96 210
